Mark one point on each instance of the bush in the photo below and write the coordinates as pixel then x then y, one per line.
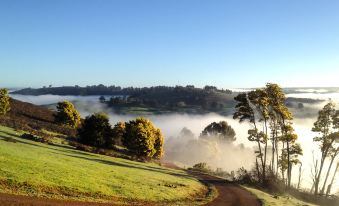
pixel 201 167
pixel 118 133
pixel 35 138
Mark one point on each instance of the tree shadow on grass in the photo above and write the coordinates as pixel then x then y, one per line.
pixel 91 157
pixel 145 167
pixel 63 148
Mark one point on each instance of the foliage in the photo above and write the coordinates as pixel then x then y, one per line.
pixel 118 133
pixel 266 108
pixel 96 131
pixel 159 144
pixel 67 114
pixel 36 138
pixel 4 102
pixel 113 90
pixel 326 127
pixel 143 139
pixel 202 167
pixel 221 131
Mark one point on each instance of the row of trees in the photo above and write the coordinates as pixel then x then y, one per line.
pixel 139 136
pixel 115 90
pixel 265 109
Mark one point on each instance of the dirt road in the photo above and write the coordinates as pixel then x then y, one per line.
pixel 230 194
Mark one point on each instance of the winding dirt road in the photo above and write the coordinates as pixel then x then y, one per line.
pixel 230 194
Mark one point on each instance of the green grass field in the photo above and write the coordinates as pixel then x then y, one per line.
pixel 59 171
pixel 269 200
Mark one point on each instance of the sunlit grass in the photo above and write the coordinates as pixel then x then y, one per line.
pixel 38 169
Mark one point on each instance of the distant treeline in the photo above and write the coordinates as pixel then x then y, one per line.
pixel 115 90
pixel 156 99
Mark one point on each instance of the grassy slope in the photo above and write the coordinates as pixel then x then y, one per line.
pixel 32 168
pixel 269 200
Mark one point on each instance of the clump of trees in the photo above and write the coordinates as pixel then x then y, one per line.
pixel 143 139
pixel 265 109
pixel 139 136
pixel 67 114
pixel 118 133
pixel 220 131
pixel 4 102
pixel 327 128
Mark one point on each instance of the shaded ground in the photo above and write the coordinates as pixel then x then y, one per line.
pixel 230 194
pixel 18 200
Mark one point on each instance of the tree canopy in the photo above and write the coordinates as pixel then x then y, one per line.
pixel 4 102
pixel 96 131
pixel 221 131
pixel 143 139
pixel 67 114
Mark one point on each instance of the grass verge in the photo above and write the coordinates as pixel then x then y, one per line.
pixel 269 200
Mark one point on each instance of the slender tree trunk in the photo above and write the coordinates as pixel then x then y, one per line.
pixel 299 178
pixel 265 155
pixel 330 185
pixel 260 151
pixel 328 171
pixel 273 153
pixel 323 157
pixel 277 155
pixel 257 166
pixel 289 168
pixel 325 181
pixel 314 178
pixel 316 184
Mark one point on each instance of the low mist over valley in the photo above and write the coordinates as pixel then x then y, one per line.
pixel 187 151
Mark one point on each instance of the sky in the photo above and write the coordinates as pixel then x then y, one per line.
pixel 225 43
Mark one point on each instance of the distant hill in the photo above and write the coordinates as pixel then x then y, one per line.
pixel 30 117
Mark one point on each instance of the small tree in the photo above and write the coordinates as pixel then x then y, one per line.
pixel 221 131
pixel 96 131
pixel 119 130
pixel 4 102
pixel 102 99
pixel 143 139
pixel 186 134
pixel 159 144
pixel 67 114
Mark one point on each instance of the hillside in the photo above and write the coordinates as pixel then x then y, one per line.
pixel 30 117
pixel 59 171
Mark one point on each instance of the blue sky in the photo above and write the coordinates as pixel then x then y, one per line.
pixel 224 43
